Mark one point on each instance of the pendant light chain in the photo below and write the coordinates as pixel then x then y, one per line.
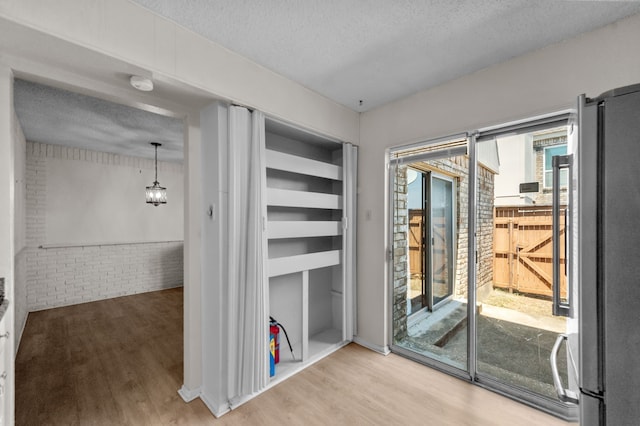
pixel 156 162
pixel 156 194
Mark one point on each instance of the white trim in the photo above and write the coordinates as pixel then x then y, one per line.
pixel 423 143
pixel 300 229
pixel 116 243
pixel 527 120
pixel 19 334
pixel 306 166
pixel 383 350
pixel 305 199
pixel 188 395
pixel 217 411
pixel 302 262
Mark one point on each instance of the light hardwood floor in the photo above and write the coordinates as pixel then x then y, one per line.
pixel 119 362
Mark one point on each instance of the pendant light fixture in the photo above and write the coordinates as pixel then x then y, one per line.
pixel 156 194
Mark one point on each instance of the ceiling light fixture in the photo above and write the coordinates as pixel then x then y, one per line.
pixel 141 83
pixel 156 194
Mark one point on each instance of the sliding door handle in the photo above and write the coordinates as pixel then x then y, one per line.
pixel 559 162
pixel 565 395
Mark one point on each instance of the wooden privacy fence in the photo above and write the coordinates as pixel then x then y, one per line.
pixel 523 250
pixel 416 251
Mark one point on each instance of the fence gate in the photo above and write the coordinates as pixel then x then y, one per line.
pixel 523 250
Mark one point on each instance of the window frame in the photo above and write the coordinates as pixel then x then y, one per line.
pixel 544 164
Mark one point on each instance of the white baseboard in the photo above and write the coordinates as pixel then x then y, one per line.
pixel 384 350
pixel 216 410
pixel 188 395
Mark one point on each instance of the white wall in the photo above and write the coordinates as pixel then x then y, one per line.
pixel 165 50
pixel 543 81
pixel 193 258
pixel 84 268
pixel 7 242
pixel 95 197
pixel 20 281
pixel 214 131
pixel 517 166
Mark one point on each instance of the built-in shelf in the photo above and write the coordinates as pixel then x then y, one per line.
pixel 305 166
pixel 303 262
pixel 320 345
pixel 302 229
pixel 303 199
pixel 306 234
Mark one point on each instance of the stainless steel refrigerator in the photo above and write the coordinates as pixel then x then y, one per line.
pixel 603 240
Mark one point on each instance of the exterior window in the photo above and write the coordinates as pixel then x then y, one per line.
pixel 549 152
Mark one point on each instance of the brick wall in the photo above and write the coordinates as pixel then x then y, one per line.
pixel 458 168
pixel 60 276
pixel 484 232
pixel 69 275
pixel 400 255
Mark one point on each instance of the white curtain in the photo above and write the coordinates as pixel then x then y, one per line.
pixel 248 347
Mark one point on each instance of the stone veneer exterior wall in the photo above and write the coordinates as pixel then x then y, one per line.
pixel 458 168
pixel 400 254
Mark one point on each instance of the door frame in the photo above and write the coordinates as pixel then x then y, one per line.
pixel 428 255
pixel 426 234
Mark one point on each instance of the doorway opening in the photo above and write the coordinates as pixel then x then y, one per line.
pixel 87 233
pixel 431 237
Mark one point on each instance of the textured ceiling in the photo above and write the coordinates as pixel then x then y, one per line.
pixel 376 51
pixel 59 117
pixel 382 50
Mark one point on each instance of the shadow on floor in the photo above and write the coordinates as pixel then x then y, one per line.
pixel 513 353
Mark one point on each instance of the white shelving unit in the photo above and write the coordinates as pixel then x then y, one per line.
pixel 308 244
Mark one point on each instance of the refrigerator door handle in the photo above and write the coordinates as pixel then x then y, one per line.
pixel 565 395
pixel 559 162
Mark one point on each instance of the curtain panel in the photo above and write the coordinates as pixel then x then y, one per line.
pixel 248 345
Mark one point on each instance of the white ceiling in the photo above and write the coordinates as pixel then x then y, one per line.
pixel 375 51
pixel 59 117
pixel 378 51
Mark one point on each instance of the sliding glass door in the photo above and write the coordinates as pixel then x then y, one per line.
pixel 478 254
pixel 429 253
pixel 516 325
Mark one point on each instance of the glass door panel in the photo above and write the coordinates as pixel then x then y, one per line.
pixel 441 232
pixel 417 272
pixel 516 328
pixel 430 259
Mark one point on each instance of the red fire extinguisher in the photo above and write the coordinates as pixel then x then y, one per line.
pixel 274 331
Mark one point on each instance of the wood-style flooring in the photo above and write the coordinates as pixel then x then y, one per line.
pixel 119 362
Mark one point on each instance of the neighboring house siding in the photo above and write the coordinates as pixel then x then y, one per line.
pixel 61 276
pixel 544 196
